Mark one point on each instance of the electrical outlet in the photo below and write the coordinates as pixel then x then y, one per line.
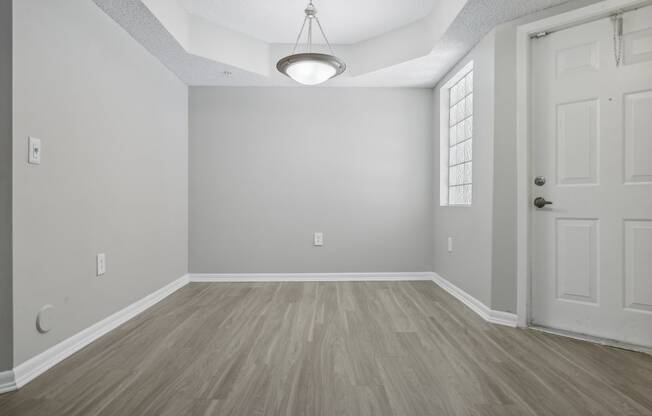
pixel 318 239
pixel 34 149
pixel 101 264
pixel 450 244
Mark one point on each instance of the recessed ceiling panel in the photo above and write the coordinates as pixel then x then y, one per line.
pixel 278 21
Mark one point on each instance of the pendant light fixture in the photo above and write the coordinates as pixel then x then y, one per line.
pixel 311 68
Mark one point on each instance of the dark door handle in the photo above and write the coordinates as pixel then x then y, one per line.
pixel 541 202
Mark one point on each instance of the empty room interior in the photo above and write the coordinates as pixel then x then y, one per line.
pixel 326 207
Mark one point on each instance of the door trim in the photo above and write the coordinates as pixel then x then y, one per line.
pixel 523 134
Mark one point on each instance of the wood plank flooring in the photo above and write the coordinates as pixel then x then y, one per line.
pixel 363 348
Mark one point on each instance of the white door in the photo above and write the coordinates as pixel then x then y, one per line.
pixel 592 142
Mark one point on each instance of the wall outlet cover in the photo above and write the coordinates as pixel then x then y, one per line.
pixel 318 239
pixel 101 264
pixel 34 151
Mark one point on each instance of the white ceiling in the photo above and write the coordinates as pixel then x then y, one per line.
pixel 279 21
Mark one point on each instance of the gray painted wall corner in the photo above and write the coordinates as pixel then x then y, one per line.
pixel 469 265
pixel 6 131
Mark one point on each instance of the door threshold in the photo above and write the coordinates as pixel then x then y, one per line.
pixel 596 340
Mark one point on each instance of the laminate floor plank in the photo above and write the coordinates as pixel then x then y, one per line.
pixel 333 349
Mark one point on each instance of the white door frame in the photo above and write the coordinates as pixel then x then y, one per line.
pixel 523 36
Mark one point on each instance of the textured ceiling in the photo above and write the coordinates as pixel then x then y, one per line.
pixel 475 20
pixel 278 21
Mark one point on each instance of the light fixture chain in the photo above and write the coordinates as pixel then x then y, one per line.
pixel 324 35
pixel 310 35
pixel 296 44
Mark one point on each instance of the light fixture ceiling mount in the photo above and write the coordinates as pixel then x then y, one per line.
pixel 310 68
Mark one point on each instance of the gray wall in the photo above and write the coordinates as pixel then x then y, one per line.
pixel 469 265
pixel 504 201
pixel 270 166
pixel 6 328
pixel 113 179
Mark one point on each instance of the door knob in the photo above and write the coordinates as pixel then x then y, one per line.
pixel 541 202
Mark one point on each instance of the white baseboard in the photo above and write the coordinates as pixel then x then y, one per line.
pixel 27 371
pixel 307 277
pixel 489 315
pixel 7 381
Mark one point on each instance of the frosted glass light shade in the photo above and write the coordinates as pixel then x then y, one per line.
pixel 311 68
pixel 310 72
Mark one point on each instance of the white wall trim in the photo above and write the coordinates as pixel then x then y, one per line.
pixel 307 277
pixel 7 381
pixel 523 33
pixel 27 371
pixel 488 314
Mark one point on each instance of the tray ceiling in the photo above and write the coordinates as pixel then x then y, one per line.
pixel 278 21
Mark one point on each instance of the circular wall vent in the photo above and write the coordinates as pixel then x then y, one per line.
pixel 45 318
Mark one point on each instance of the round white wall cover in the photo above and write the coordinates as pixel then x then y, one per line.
pixel 45 319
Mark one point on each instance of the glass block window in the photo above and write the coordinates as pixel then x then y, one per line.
pixel 460 140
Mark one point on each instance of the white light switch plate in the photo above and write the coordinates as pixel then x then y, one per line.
pixel 101 264
pixel 318 239
pixel 450 244
pixel 34 149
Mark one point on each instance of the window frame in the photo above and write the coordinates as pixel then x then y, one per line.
pixel 444 135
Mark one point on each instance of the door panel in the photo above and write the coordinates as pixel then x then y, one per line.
pixel 579 58
pixel 592 141
pixel 577 259
pixel 577 142
pixel 638 127
pixel 638 263
pixel 638 46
